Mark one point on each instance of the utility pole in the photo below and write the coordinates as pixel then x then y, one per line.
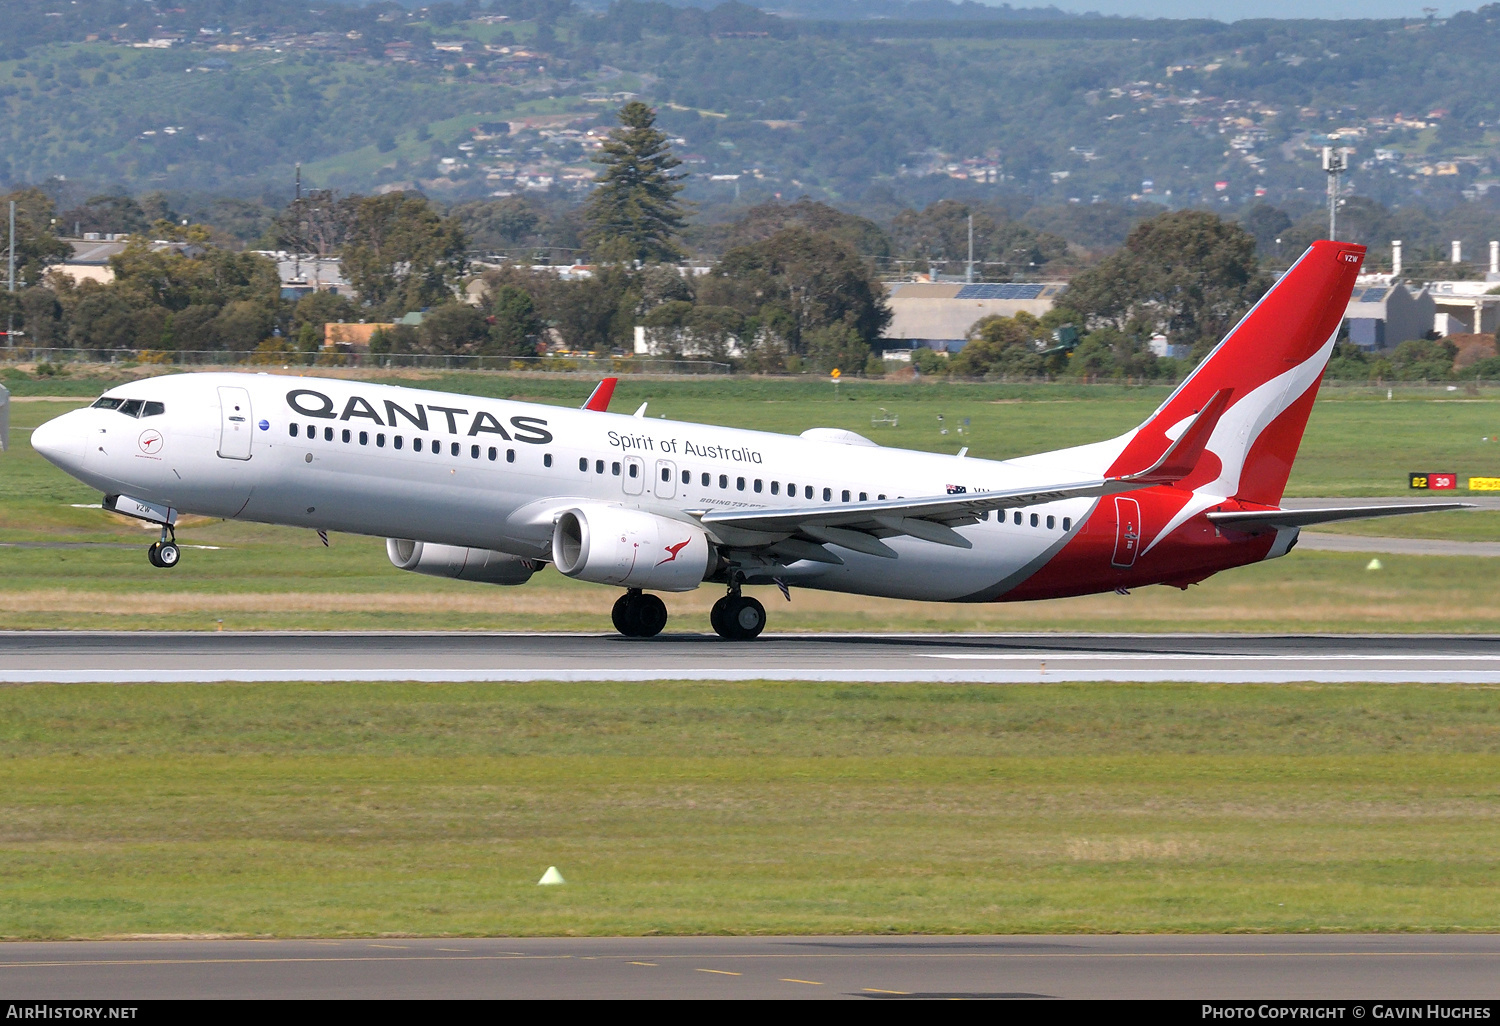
pixel 1335 162
pixel 297 272
pixel 10 306
pixel 969 273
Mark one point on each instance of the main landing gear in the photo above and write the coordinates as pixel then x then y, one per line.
pixel 638 615
pixel 737 617
pixel 164 553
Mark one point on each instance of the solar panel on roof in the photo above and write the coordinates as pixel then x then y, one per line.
pixel 1006 291
pixel 1374 295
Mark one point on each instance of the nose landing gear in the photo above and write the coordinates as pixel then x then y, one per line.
pixel 164 554
pixel 638 615
pixel 737 617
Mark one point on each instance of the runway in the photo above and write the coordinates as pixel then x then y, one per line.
pixel 128 657
pixel 875 968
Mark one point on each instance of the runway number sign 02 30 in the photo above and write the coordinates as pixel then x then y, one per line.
pixel 1430 480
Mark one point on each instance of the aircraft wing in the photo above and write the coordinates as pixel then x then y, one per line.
pixel 860 525
pixel 801 533
pixel 1254 521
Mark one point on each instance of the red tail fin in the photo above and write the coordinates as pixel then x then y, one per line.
pixel 599 398
pixel 1270 364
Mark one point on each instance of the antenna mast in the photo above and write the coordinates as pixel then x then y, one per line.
pixel 10 260
pixel 1335 162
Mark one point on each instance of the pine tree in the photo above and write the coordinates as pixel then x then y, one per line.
pixel 634 214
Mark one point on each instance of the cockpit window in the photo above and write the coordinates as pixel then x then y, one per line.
pixel 153 410
pixel 131 407
pixel 107 403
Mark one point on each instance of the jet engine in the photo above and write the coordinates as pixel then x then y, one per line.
pixel 632 548
pixel 484 565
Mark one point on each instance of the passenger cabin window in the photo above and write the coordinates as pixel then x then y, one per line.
pixel 1067 523
pixel 456 448
pixel 598 466
pixel 687 477
pixel 723 480
pixel 396 441
pixel 775 487
pixel 635 470
pixel 107 403
pixel 706 480
pixel 364 438
pixel 614 468
pixel 739 483
pixel 1018 518
pixel 809 492
pixel 346 436
pixel 827 494
pixel 757 484
pixel 1034 519
pixel 666 475
pixel 474 452
pixel 1051 523
pixel 864 497
pixel 328 434
pixel 583 464
pixel 846 495
pixel 546 459
pixel 379 441
pixel 292 430
pixel 153 409
pixel 494 454
pixel 510 455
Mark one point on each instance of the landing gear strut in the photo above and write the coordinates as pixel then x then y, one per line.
pixel 638 615
pixel 164 553
pixel 737 617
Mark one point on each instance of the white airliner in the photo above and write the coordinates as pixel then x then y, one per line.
pixel 489 490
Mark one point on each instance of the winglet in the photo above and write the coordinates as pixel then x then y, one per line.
pixel 1180 459
pixel 599 398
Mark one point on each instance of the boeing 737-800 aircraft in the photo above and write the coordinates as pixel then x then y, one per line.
pixel 489 490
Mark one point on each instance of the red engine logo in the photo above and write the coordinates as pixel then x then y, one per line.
pixel 673 550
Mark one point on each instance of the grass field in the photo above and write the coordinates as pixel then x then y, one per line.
pixel 263 577
pixel 433 809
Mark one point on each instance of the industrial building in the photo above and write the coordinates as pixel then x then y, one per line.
pixel 939 315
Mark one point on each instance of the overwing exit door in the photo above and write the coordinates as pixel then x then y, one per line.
pixel 1127 531
pixel 235 424
pixel 666 479
pixel 634 480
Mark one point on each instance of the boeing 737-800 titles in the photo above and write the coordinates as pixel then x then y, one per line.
pixel 488 490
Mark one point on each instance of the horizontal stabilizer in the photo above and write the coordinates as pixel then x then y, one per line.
pixel 1258 520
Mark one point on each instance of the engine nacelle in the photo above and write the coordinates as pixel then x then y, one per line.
pixel 465 564
pixel 632 548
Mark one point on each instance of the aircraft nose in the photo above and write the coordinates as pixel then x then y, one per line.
pixel 60 440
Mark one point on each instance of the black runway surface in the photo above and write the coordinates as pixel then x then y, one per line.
pixel 126 657
pixel 885 968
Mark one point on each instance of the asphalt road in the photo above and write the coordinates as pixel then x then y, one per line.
pixel 877 968
pixel 129 657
